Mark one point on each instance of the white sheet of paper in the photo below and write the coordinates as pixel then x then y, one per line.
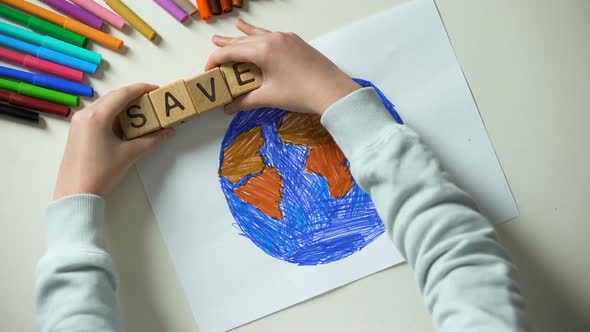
pixel 227 279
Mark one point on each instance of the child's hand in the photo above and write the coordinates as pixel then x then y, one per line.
pixel 296 76
pixel 96 157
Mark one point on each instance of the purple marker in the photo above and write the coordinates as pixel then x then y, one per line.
pixel 75 12
pixel 173 9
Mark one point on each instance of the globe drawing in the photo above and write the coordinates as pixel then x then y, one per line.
pixel 290 189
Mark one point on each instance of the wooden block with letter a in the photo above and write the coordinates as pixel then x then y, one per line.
pixel 209 90
pixel 139 118
pixel 173 104
pixel 241 77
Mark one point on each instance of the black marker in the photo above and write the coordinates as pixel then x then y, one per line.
pixel 19 112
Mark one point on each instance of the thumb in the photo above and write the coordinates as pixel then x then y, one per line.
pixel 144 144
pixel 248 101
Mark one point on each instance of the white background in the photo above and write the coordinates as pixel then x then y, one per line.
pixel 527 65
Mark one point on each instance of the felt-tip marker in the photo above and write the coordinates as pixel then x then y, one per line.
pixel 47 54
pixel 20 113
pixel 43 26
pixel 47 82
pixel 173 9
pixel 38 92
pixel 75 12
pixel 204 9
pixel 50 43
pixel 34 103
pixel 105 14
pixel 32 62
pixel 67 23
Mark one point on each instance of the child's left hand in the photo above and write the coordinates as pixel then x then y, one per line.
pixel 96 156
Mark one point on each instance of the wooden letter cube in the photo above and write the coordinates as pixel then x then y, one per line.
pixel 139 118
pixel 208 90
pixel 241 77
pixel 173 104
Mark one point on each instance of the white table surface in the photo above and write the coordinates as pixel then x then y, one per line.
pixel 528 65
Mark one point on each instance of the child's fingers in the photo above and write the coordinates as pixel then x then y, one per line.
pixel 242 52
pixel 251 100
pixel 138 147
pixel 249 29
pixel 223 41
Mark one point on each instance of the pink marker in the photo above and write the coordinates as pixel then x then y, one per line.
pixel 98 10
pixel 42 65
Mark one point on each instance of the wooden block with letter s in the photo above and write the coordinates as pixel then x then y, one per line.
pixel 139 118
pixel 241 77
pixel 209 90
pixel 173 104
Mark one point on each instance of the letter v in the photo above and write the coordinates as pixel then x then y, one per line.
pixel 210 96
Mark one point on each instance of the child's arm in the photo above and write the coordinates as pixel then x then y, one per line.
pixel 467 278
pixel 465 275
pixel 76 282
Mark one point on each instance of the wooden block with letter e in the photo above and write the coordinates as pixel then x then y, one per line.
pixel 173 104
pixel 139 118
pixel 241 77
pixel 209 90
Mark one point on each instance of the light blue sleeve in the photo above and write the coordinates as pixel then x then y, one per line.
pixel 466 277
pixel 76 283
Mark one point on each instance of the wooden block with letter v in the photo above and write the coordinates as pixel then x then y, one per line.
pixel 209 90
pixel 173 104
pixel 241 77
pixel 139 118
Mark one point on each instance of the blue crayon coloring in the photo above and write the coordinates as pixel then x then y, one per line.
pixel 50 55
pixel 48 82
pixel 304 222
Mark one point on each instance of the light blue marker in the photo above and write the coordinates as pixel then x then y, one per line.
pixel 50 43
pixel 48 82
pixel 51 55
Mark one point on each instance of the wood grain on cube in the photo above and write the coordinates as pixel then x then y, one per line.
pixel 241 77
pixel 139 118
pixel 208 90
pixel 173 104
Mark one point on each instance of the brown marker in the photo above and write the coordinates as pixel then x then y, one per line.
pixel 226 6
pixel 215 7
pixel 238 3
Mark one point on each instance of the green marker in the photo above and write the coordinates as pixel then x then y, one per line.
pixel 43 26
pixel 50 43
pixel 41 93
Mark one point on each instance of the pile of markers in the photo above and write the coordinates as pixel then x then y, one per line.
pixel 54 44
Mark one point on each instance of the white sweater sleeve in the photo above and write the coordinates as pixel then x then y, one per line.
pixel 76 282
pixel 466 277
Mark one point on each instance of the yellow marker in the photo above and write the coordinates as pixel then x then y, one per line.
pixel 132 18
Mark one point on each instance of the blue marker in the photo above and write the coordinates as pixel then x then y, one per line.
pixel 50 43
pixel 48 82
pixel 47 54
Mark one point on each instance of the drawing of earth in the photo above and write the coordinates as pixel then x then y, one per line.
pixel 290 190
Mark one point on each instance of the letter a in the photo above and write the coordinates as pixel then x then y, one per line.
pixel 169 107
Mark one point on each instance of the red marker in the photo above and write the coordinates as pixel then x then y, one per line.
pixel 42 65
pixel 34 103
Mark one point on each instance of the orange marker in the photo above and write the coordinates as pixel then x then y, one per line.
pixel 67 23
pixel 204 9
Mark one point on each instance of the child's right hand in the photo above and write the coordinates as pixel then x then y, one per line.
pixel 297 77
